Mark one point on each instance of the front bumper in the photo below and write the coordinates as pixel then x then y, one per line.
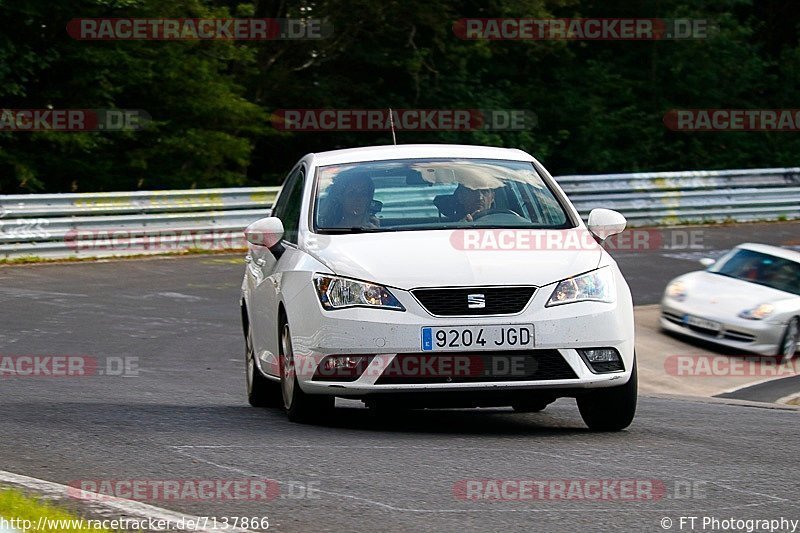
pixel 317 333
pixel 762 337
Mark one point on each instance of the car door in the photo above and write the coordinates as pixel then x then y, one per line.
pixel 265 266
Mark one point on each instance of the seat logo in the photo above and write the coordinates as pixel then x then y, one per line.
pixel 476 301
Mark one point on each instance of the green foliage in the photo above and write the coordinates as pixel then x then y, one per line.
pixel 600 105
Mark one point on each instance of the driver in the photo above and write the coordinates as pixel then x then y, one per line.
pixel 471 202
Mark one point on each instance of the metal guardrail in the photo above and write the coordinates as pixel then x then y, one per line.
pixel 147 222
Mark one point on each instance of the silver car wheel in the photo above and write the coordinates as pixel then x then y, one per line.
pixel 287 368
pixel 789 348
pixel 250 361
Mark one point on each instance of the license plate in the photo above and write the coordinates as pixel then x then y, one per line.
pixel 474 338
pixel 701 323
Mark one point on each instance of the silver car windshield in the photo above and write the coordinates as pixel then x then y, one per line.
pixel 420 194
pixel 760 268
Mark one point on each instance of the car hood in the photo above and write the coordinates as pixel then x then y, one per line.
pixel 412 259
pixel 727 296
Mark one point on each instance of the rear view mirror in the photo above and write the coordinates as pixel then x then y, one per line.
pixel 604 223
pixel 375 207
pixel 414 177
pixel 265 232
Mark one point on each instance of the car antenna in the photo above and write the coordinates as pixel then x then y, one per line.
pixel 391 123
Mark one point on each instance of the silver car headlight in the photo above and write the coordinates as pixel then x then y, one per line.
pixel 759 312
pixel 595 286
pixel 338 293
pixel 676 290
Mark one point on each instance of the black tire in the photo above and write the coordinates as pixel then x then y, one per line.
pixel 261 391
pixel 612 408
pixel 299 406
pixel 788 350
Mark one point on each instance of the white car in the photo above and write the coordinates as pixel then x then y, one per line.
pixel 418 276
pixel 748 300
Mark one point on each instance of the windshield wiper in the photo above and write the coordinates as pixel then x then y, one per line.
pixel 727 275
pixel 354 229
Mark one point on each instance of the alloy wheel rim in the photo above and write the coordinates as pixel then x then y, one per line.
pixel 287 368
pixel 251 363
pixel 790 345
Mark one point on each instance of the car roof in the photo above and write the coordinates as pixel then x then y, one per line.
pixel 776 251
pixel 413 151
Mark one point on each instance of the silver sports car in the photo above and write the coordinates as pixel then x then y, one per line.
pixel 748 300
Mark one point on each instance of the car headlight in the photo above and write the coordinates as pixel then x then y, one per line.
pixel 338 293
pixel 595 286
pixel 758 313
pixel 676 290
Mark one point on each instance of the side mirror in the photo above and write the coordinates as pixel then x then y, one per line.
pixel 265 232
pixel 707 261
pixel 604 223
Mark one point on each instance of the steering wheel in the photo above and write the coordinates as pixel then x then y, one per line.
pixel 494 211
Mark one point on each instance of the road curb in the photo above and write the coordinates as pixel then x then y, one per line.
pixel 113 507
pixel 723 401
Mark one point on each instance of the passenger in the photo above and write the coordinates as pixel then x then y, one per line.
pixel 348 202
pixel 786 278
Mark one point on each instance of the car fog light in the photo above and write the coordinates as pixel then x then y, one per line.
pixel 342 367
pixel 601 355
pixel 602 359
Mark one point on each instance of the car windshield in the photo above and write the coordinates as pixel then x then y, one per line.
pixel 420 194
pixel 764 269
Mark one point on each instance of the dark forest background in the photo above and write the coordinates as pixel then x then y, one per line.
pixel 600 105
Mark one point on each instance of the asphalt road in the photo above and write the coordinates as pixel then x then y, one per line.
pixel 184 417
pixel 770 391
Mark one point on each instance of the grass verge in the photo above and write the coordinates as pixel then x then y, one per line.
pixel 27 511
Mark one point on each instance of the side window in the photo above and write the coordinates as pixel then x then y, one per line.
pixel 287 208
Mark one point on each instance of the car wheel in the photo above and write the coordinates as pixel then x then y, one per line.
pixel 612 408
pixel 790 339
pixel 261 392
pixel 300 407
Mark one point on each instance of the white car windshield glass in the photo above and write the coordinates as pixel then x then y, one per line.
pixel 418 194
pixel 764 269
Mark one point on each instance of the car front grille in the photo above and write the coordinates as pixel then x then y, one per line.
pixel 474 301
pixel 738 336
pixel 729 334
pixel 672 317
pixel 476 367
